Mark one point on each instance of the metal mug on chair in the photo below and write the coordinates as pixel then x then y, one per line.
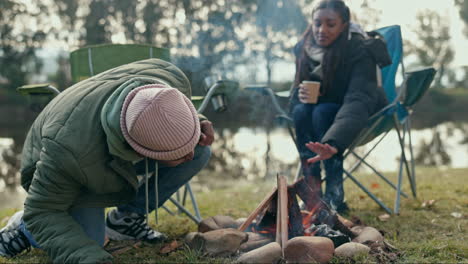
pixel 218 99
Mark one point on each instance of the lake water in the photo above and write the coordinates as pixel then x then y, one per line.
pixel 384 157
pixel 253 143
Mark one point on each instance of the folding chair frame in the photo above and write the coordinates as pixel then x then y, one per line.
pixel 403 130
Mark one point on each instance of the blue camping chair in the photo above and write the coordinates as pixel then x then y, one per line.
pixel 396 115
pixel 92 60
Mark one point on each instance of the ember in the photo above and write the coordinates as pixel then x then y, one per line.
pixel 309 216
pixel 268 230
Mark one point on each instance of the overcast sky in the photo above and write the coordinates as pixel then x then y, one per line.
pixel 403 12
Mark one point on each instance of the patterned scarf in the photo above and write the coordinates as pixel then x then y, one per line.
pixel 316 53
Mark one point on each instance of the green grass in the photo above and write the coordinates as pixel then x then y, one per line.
pixel 422 234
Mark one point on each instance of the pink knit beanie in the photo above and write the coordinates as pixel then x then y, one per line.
pixel 159 122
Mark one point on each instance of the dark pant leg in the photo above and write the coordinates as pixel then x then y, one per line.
pixel 303 124
pixel 170 179
pixel 334 192
pixel 324 116
pixel 310 187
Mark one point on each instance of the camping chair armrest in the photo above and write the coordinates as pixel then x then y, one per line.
pixel 38 89
pixel 206 99
pixel 416 84
pixel 264 90
pixel 283 94
pixel 385 109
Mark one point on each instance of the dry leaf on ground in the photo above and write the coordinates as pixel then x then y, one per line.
pixel 122 249
pixel 384 217
pixel 169 247
pixel 428 203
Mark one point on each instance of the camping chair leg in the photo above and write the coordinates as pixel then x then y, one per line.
pixel 396 208
pixel 196 218
pixel 194 201
pixel 401 139
pixel 371 195
pixel 413 171
pixel 181 208
pixel 357 143
pixel 168 210
pixel 184 197
pixel 361 160
pixel 351 148
pixel 178 199
pixel 358 163
pixel 291 133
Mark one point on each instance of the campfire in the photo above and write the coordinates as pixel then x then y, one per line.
pixel 279 215
pixel 279 229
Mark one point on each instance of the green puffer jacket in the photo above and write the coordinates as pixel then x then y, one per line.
pixel 66 161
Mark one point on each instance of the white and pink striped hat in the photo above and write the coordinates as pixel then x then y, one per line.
pixel 160 122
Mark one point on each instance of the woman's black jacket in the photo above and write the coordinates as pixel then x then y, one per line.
pixel 355 88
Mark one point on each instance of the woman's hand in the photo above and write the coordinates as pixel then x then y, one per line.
pixel 323 151
pixel 303 94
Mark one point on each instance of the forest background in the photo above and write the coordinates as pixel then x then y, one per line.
pixel 249 41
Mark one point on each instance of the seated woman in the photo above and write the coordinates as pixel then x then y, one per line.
pixel 334 52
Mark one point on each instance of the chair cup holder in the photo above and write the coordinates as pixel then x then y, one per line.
pixel 224 89
pixel 219 103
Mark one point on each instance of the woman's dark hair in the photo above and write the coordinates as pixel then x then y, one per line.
pixel 334 54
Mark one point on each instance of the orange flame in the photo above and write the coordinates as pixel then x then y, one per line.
pixel 307 220
pixel 267 230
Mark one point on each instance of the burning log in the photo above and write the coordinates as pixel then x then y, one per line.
pixel 282 212
pixel 319 210
pixel 309 193
pixel 261 207
pixel 278 212
pixel 294 212
pixel 346 222
pixel 340 226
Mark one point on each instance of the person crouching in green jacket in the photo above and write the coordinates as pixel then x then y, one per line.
pixel 84 151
